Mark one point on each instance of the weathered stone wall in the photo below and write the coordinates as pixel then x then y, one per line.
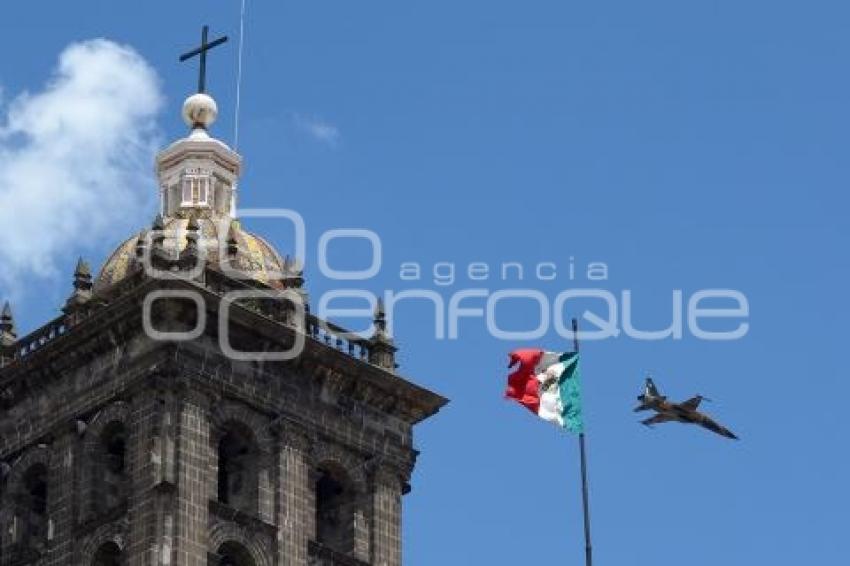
pixel 173 402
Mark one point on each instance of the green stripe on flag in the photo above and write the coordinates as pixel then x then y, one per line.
pixel 570 392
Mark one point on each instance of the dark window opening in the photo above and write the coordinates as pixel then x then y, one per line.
pixel 335 511
pixel 116 453
pixel 234 554
pixel 110 476
pixel 32 507
pixel 109 554
pixel 238 470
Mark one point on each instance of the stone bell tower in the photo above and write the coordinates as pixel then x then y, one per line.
pixel 158 421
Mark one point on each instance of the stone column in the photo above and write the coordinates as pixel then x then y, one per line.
pixel 191 505
pixel 386 516
pixel 363 526
pixel 61 481
pixel 151 464
pixel 296 504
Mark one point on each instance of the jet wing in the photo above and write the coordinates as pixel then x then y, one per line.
pixel 657 419
pixel 691 404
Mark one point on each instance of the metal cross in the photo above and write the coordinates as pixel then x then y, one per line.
pixel 202 51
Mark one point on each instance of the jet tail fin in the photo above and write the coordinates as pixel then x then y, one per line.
pixel 650 391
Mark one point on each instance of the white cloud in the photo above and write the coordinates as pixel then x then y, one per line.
pixel 76 158
pixel 318 129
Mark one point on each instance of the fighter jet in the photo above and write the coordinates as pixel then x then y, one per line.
pixel 668 411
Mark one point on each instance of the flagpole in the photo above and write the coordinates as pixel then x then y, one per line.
pixel 588 549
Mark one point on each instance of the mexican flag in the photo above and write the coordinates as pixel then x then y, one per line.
pixel 549 385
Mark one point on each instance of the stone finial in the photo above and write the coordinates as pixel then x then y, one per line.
pixel 8 336
pixel 141 244
pixel 189 256
pixel 293 273
pixel 232 242
pixel 158 228
pixel 82 276
pixel 193 227
pixel 382 349
pixel 380 322
pixel 159 257
pixel 158 223
pixel 200 111
pixel 82 287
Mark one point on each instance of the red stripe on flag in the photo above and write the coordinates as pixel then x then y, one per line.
pixel 522 383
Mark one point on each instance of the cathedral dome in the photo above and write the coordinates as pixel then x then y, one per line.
pixel 198 179
pixel 255 257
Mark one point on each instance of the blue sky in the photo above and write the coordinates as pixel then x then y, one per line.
pixel 688 146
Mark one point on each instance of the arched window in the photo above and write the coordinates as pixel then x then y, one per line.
pixel 238 470
pixel 109 554
pixel 110 468
pixel 234 554
pixel 32 508
pixel 335 501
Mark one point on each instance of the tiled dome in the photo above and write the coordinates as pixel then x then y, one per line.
pixel 255 256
